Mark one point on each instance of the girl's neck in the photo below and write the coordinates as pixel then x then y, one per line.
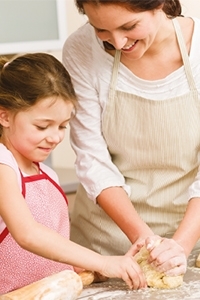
pixel 26 166
pixel 32 169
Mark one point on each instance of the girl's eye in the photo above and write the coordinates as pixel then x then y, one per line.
pixel 63 127
pixel 43 128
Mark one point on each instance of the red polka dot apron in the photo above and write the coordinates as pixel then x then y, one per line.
pixel 48 205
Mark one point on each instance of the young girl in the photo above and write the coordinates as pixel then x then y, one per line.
pixel 36 102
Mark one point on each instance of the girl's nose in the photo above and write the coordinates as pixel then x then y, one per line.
pixel 55 137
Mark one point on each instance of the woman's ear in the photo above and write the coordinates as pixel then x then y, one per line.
pixel 4 117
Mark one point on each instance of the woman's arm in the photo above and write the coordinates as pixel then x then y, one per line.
pixel 117 205
pixel 90 68
pixel 171 254
pixel 188 231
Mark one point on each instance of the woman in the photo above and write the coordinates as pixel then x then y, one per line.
pixel 135 67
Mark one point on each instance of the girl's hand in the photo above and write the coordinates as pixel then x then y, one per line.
pixel 135 247
pixel 78 270
pixel 166 255
pixel 139 243
pixel 124 267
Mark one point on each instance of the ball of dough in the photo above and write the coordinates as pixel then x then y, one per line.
pixel 154 278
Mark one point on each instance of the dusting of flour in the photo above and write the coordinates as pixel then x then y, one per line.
pixel 115 289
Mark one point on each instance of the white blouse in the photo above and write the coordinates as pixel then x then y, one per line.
pixel 90 68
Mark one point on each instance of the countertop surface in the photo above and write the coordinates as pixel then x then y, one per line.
pixel 115 289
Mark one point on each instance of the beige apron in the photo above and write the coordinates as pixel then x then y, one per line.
pixel 155 145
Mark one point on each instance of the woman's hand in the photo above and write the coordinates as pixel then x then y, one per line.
pixel 124 267
pixel 166 255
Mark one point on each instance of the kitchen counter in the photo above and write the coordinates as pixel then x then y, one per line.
pixel 115 289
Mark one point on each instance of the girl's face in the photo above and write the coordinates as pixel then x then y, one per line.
pixel 131 32
pixel 31 135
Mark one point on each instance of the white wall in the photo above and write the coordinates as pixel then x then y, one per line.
pixel 63 155
pixel 191 7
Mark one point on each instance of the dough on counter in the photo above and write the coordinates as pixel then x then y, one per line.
pixel 89 277
pixel 154 278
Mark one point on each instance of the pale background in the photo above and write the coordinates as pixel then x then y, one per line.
pixel 63 155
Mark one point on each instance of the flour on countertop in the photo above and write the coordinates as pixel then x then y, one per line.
pixel 115 289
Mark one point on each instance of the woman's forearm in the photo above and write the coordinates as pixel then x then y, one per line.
pixel 115 202
pixel 188 231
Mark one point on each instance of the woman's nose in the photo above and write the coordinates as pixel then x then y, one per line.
pixel 118 41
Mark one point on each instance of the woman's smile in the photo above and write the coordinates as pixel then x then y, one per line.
pixel 130 47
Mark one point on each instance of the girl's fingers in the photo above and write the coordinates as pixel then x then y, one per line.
pixel 137 276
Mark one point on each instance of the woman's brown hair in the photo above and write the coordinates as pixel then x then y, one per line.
pixel 172 8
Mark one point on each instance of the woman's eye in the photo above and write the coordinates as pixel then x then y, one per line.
pixel 99 30
pixel 41 128
pixel 130 28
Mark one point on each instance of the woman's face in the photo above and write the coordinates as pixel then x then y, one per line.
pixel 131 32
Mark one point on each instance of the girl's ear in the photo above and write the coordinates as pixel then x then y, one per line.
pixel 4 117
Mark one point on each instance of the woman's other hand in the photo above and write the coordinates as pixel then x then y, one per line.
pixel 166 255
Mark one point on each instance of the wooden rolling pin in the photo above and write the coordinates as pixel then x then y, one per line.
pixel 66 285
pixel 198 261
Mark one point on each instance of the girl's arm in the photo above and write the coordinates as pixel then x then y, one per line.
pixel 41 240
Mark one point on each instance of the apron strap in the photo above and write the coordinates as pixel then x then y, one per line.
pixel 114 74
pixel 184 54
